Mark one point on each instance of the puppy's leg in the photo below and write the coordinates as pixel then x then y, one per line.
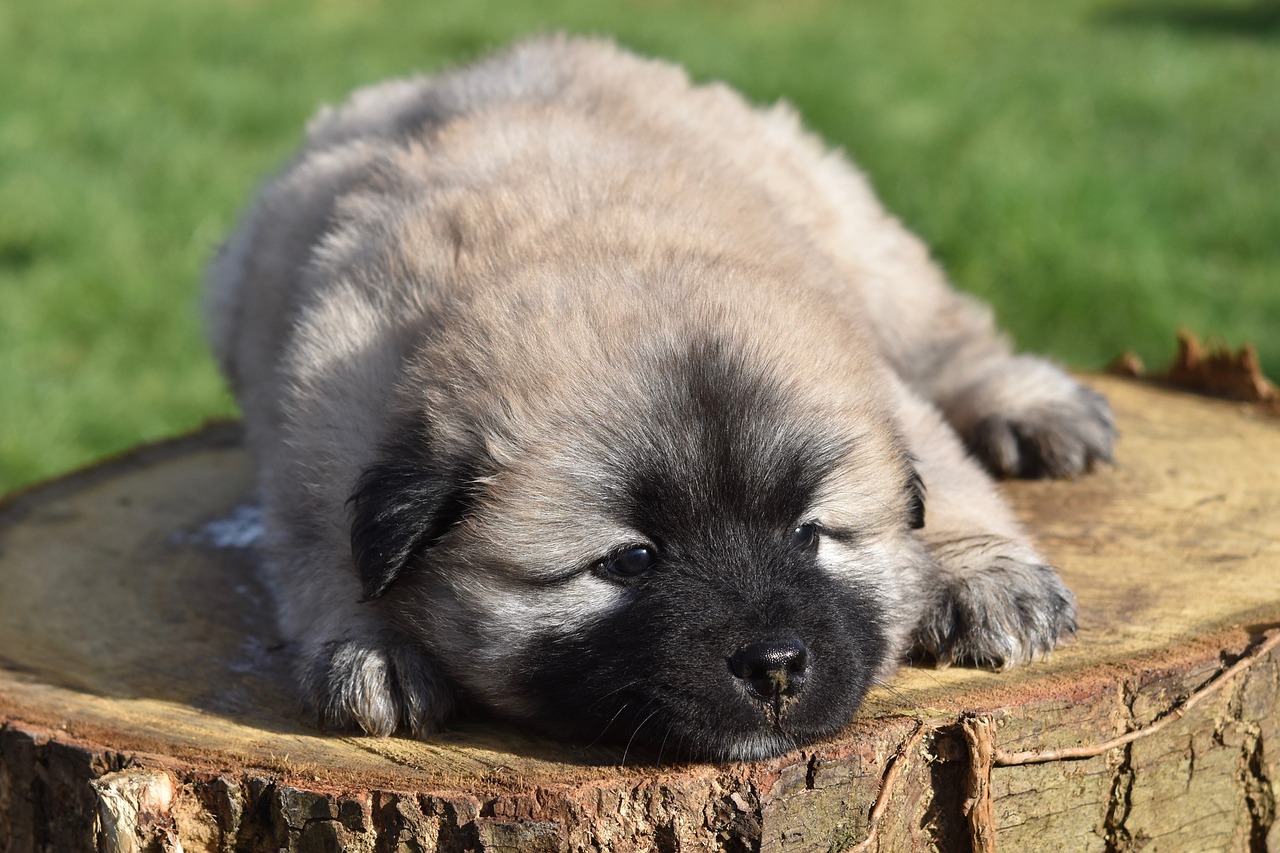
pixel 1021 415
pixel 995 601
pixel 357 672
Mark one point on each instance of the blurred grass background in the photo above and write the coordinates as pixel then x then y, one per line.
pixel 1102 171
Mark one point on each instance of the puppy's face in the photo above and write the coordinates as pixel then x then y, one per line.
pixel 703 566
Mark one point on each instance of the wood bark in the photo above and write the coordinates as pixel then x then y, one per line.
pixel 145 703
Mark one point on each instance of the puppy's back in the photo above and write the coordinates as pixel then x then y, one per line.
pixel 252 298
pixel 746 180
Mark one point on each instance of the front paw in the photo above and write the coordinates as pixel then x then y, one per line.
pixel 1008 612
pixel 379 684
pixel 1033 420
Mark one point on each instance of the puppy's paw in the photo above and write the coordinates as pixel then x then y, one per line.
pixel 379 684
pixel 1008 612
pixel 1032 420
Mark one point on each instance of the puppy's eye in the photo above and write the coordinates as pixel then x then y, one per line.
pixel 915 512
pixel 805 537
pixel 630 562
pixel 915 502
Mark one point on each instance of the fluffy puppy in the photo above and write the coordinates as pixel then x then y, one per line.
pixel 611 404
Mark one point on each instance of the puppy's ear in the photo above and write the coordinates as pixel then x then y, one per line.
pixel 404 503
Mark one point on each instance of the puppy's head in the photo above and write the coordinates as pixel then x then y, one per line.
pixel 699 556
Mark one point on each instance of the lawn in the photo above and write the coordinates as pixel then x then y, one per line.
pixel 1102 172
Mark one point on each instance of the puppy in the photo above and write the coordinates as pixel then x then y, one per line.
pixel 612 405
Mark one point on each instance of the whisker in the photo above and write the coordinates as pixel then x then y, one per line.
pixel 652 714
pixel 606 725
pixel 613 692
pixel 663 745
pixel 889 688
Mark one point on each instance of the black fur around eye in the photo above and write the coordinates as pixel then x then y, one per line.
pixel 805 537
pixel 915 502
pixel 630 562
pixel 915 512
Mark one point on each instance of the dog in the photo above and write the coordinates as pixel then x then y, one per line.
pixel 611 405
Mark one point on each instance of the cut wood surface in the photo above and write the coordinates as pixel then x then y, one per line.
pixel 146 702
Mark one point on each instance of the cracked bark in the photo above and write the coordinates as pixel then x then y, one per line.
pixel 1260 797
pixel 979 736
pixel 144 700
pixel 1115 833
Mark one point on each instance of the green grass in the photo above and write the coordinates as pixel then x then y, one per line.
pixel 1102 172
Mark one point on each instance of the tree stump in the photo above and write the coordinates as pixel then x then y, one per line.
pixel 145 702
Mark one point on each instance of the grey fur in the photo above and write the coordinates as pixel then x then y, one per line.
pixel 469 321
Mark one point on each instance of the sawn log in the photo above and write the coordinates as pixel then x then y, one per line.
pixel 145 700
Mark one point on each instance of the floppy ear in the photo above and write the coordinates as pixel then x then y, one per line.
pixel 403 504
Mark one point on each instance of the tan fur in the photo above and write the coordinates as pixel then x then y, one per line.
pixel 504 248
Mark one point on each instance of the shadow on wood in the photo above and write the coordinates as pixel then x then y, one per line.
pixel 146 703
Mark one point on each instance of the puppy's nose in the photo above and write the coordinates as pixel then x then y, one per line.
pixel 772 669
